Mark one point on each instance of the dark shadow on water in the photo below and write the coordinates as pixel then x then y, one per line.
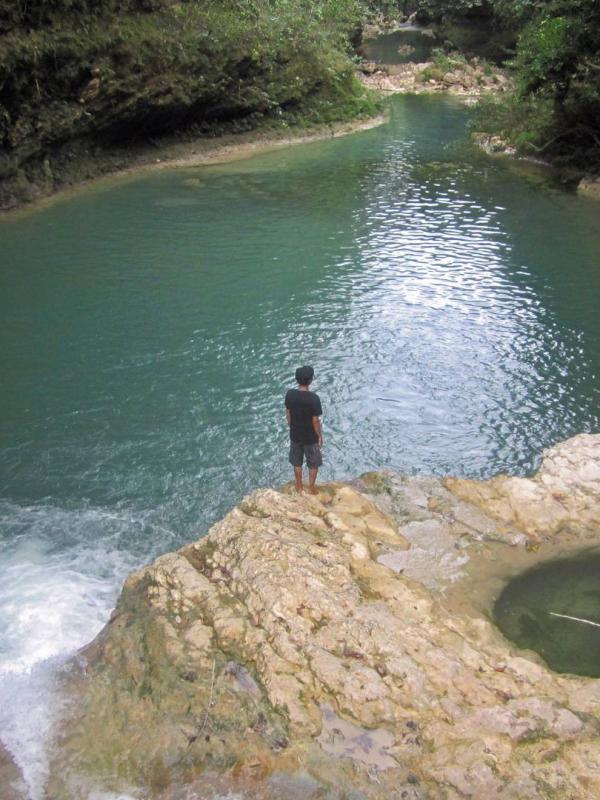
pixel 555 610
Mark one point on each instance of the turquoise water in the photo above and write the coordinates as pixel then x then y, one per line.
pixel 151 327
pixel 555 610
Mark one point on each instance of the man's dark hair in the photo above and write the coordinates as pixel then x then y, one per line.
pixel 304 375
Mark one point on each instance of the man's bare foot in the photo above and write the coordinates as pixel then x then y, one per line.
pixel 313 490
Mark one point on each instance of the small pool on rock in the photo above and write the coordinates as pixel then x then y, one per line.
pixel 555 610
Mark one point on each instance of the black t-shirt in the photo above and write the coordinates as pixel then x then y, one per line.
pixel 303 407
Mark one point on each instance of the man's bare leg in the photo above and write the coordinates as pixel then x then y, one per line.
pixel 298 477
pixel 312 479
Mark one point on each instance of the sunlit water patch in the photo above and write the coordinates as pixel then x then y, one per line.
pixel 151 329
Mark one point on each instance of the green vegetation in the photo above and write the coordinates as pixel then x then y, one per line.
pixel 555 111
pixel 441 63
pixel 79 78
pixel 553 50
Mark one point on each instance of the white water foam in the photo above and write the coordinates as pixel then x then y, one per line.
pixel 60 574
pixel 29 704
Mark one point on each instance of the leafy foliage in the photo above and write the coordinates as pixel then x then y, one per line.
pixel 556 111
pixel 84 75
pixel 556 65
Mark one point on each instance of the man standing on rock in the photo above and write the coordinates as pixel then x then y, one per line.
pixel 303 409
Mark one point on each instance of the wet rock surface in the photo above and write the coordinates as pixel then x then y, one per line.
pixel 341 646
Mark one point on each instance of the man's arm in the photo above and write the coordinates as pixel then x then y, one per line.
pixel 316 423
pixel 288 414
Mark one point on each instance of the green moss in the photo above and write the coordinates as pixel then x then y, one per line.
pixel 376 483
pixel 346 101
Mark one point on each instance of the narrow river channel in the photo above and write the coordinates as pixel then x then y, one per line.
pixel 150 327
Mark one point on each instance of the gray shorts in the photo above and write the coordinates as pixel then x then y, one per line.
pixel 312 452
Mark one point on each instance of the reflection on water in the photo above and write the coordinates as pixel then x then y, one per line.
pixel 150 331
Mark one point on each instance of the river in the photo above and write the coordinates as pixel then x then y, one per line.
pixel 151 326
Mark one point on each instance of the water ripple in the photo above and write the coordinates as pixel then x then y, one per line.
pixel 150 331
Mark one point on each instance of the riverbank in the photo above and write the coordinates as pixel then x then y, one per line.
pixel 175 152
pixel 571 180
pixel 80 87
pixel 448 74
pixel 345 642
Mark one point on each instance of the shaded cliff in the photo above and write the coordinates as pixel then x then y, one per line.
pixel 341 647
pixel 84 81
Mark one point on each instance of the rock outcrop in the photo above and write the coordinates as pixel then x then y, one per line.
pixel 564 494
pixel 341 646
pixel 459 77
pixel 589 187
pixel 493 145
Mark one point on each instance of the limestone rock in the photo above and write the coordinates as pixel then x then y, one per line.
pixel 493 145
pixel 590 187
pixel 465 79
pixel 369 67
pixel 452 78
pixel 335 646
pixel 564 494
